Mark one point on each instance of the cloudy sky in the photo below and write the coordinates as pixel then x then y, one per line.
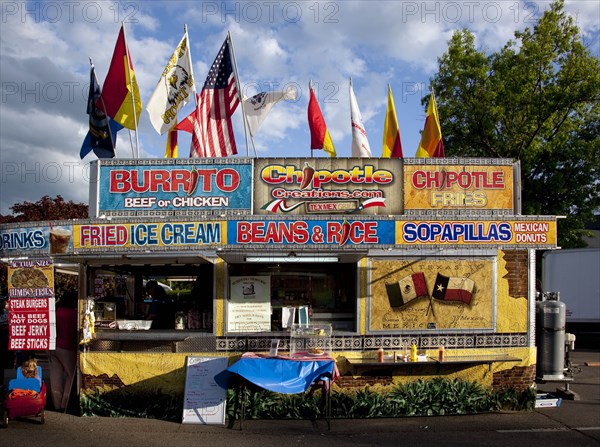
pixel 44 71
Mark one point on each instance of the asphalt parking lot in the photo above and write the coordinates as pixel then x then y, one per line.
pixel 574 422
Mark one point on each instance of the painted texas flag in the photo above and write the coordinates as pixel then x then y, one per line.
pixel 449 288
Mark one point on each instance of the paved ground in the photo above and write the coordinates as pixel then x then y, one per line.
pixel 573 423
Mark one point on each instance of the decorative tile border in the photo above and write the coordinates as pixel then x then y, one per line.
pixel 389 342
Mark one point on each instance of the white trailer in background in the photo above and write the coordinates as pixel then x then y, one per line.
pixel 575 274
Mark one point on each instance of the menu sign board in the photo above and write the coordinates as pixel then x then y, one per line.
pixel 249 305
pixel 204 401
pixel 162 187
pixel 31 316
pixel 56 239
pixel 148 235
pixel 476 232
pixel 296 186
pixel 458 187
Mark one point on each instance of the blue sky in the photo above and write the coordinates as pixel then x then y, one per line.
pixel 44 70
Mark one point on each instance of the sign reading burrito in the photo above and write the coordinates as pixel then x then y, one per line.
pixel 161 187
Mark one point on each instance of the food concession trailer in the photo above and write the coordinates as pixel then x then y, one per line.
pixel 385 253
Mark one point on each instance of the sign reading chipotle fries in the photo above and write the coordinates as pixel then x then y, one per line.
pixel 31 316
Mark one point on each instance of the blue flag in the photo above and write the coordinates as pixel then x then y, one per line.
pixel 102 136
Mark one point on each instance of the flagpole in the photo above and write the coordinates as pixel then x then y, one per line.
pixel 185 30
pixel 237 82
pixel 112 142
pixel 309 92
pixel 137 142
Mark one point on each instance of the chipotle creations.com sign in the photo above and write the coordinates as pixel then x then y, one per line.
pixel 31 316
pixel 296 186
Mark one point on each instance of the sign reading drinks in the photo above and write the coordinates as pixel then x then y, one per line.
pixel 56 239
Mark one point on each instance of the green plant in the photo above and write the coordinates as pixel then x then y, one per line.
pixel 438 396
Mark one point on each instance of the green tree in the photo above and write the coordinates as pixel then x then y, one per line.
pixel 537 100
pixel 46 208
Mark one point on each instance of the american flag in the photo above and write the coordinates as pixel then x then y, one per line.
pixel 212 131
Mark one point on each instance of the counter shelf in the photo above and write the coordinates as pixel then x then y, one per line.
pixel 362 364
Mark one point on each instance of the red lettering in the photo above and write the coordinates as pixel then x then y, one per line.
pixel 175 180
pixel 363 232
pixel 228 180
pixel 271 232
pixel 465 180
pixel 119 181
pixel 244 233
pixel 102 235
pixel 334 232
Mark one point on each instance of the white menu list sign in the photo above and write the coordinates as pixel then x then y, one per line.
pixel 204 401
pixel 249 304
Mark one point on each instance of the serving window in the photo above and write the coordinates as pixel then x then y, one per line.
pixel 327 292
pixel 126 297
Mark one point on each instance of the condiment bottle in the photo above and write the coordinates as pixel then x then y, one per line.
pixel 380 355
pixel 441 353
pixel 413 353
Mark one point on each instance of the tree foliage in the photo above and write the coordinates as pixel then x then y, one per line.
pixel 537 100
pixel 46 208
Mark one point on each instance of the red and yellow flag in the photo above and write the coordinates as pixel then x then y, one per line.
pixel 431 145
pixel 392 146
pixel 319 135
pixel 172 149
pixel 120 91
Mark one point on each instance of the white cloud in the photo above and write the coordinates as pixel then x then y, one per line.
pixel 45 71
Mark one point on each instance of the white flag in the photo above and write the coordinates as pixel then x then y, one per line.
pixel 174 89
pixel 360 143
pixel 258 107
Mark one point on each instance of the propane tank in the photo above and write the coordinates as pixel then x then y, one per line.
pixel 550 336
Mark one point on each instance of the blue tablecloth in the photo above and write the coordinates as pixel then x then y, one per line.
pixel 287 376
